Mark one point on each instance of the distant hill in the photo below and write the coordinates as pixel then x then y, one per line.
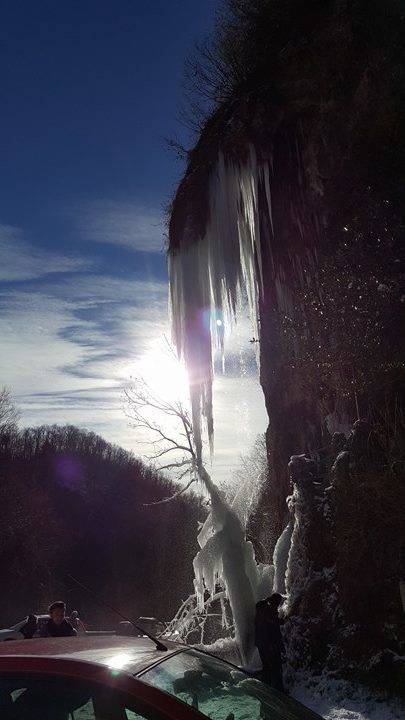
pixel 70 502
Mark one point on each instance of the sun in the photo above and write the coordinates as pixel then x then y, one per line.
pixel 164 374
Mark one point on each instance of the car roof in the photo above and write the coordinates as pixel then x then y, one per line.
pixel 131 654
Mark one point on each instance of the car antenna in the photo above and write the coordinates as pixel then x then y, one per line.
pixel 159 645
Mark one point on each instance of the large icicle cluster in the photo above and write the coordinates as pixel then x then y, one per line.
pixel 226 558
pixel 208 274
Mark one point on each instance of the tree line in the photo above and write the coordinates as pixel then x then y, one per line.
pixel 72 503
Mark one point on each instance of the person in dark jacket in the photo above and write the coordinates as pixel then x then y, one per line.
pixel 269 640
pixel 57 625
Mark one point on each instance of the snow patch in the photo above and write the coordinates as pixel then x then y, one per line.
pixel 336 699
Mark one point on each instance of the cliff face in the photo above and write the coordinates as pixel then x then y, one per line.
pixel 293 191
pixel 346 556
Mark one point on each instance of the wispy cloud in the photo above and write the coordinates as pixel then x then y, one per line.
pixel 90 329
pixel 131 225
pixel 19 260
pixel 71 341
pixel 101 289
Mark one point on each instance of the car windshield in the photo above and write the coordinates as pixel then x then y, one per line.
pixel 31 697
pixel 221 691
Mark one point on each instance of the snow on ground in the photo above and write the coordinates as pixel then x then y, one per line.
pixel 338 700
pixel 331 698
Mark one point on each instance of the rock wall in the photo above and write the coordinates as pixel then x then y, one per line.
pixel 343 607
pixel 323 110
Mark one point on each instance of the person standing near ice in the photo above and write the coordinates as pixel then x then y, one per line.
pixel 269 641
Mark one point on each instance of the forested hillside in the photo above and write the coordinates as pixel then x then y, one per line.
pixel 72 503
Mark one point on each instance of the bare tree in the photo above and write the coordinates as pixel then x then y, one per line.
pixel 175 452
pixel 249 477
pixel 224 558
pixel 9 414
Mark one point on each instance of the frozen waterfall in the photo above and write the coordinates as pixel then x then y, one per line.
pixel 227 558
pixel 208 275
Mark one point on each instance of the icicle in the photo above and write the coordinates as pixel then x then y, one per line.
pixel 280 558
pixel 226 556
pixel 207 274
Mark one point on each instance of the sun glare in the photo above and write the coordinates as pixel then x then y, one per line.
pixel 164 374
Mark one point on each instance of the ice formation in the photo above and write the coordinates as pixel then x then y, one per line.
pixel 246 498
pixel 280 558
pixel 301 504
pixel 207 275
pixel 227 559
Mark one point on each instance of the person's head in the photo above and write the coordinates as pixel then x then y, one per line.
pixel 74 615
pixel 57 612
pixel 125 628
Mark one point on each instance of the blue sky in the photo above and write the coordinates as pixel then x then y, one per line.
pixel 89 92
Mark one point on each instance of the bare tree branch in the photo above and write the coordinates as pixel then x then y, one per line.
pixel 172 497
pixel 141 400
pixel 179 464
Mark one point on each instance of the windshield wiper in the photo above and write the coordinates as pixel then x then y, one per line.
pixel 101 601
